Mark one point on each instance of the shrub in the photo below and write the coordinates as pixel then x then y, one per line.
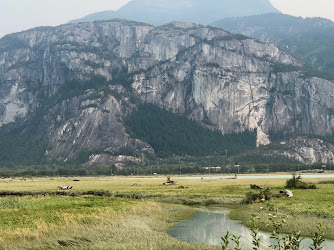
pixel 263 195
pixel 280 241
pixel 295 182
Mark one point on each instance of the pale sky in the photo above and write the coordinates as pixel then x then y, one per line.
pixel 18 15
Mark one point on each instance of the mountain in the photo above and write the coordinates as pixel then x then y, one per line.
pixel 309 39
pixel 158 12
pixel 67 92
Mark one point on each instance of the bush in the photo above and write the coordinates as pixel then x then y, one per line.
pixel 295 182
pixel 280 241
pixel 263 195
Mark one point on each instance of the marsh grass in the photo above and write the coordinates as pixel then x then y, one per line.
pixel 93 216
pixel 303 222
pixel 90 223
pixel 305 210
pixel 149 186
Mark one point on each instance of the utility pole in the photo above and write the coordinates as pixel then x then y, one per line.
pixel 142 161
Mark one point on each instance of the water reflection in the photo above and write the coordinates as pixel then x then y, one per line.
pixel 208 228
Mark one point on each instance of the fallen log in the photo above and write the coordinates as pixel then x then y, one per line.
pixel 254 186
pixel 65 187
pixel 285 192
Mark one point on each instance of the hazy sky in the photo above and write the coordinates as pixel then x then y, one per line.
pixel 18 15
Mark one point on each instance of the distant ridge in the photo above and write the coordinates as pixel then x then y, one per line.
pixel 158 12
pixel 309 39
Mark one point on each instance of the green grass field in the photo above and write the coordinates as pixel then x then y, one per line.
pixel 41 220
pixel 89 223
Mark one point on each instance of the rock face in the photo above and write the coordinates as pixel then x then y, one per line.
pixel 305 150
pixel 296 35
pixel 81 80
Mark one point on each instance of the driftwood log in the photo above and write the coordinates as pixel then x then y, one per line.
pixel 170 183
pixel 285 192
pixel 136 184
pixel 254 186
pixel 65 187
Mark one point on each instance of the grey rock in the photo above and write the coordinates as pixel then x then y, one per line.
pixel 218 79
pixel 305 150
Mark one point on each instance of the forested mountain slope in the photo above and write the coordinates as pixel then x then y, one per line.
pixel 309 39
pixel 159 12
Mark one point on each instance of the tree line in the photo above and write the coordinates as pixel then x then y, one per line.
pixel 172 134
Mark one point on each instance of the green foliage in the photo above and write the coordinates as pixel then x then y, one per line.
pixel 121 77
pixel 328 138
pixel 75 169
pixel 291 241
pixel 126 151
pixel 296 182
pixel 170 134
pixel 72 88
pixel 280 67
pixel 261 160
pixel 226 241
pixel 27 145
pixel 256 241
pixel 75 87
pixel 263 195
pixel 318 239
pixel 10 42
pixel 311 40
pixel 310 71
pixel 22 146
pixel 236 240
pixel 276 222
pixel 90 221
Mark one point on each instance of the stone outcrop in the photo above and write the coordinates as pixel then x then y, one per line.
pixel 223 81
pixel 305 150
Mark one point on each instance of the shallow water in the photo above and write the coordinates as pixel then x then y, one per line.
pixel 209 227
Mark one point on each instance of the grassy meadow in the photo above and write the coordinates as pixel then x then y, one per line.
pixel 90 217
pixel 54 222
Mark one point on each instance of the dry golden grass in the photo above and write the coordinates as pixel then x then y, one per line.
pixel 96 223
pixel 88 222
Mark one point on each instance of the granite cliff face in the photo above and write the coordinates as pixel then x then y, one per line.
pixel 223 81
pixel 303 149
pixel 309 39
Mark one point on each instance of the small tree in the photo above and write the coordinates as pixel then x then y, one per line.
pixel 296 182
